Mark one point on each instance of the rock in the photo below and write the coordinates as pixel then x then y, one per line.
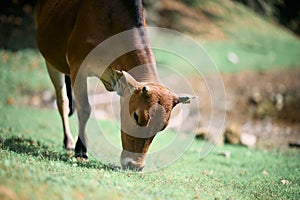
pixel 255 97
pixel 285 182
pixel 208 173
pixel 265 109
pixel 35 100
pixel 232 134
pixel 264 172
pixel 210 136
pixel 248 140
pixel 201 133
pixel 291 108
pixel 10 101
pixel 47 96
pixel 279 101
pixel 226 154
pixel 233 57
pixel 295 144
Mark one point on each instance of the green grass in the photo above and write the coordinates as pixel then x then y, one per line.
pixel 34 166
pixel 255 52
pixel 21 72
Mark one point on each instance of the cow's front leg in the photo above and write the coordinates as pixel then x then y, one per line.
pixel 83 112
pixel 62 101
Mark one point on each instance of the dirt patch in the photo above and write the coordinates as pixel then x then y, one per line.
pixel 265 104
pixel 185 17
pixel 268 94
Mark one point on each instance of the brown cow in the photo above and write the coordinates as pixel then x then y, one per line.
pixel 67 31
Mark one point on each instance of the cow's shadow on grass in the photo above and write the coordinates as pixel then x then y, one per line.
pixel 43 150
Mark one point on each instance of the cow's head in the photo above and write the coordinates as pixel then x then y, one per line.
pixel 145 110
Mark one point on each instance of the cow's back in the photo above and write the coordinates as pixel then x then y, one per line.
pixel 54 22
pixel 67 30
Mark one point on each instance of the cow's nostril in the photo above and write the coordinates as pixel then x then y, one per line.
pixel 136 117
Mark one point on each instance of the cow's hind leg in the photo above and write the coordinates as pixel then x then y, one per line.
pixel 62 101
pixel 70 95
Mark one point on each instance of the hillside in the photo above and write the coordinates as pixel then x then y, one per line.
pixel 212 20
pixel 206 20
pixel 224 27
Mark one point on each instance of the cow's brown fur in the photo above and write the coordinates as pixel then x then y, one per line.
pixel 67 30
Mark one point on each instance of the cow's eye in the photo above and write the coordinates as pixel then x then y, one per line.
pixel 136 117
pixel 159 102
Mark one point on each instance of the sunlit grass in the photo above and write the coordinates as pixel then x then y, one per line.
pixel 33 166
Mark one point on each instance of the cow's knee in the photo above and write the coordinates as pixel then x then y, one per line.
pixel 84 112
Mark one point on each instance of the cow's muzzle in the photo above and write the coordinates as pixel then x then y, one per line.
pixel 132 161
pixel 134 152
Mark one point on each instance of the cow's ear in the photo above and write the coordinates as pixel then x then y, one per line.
pixel 126 82
pixel 183 99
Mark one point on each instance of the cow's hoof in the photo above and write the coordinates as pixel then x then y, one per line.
pixel 80 151
pixel 82 160
pixel 69 147
pixel 69 144
pixel 82 157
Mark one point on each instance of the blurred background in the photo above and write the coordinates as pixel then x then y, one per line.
pixel 200 18
pixel 254 43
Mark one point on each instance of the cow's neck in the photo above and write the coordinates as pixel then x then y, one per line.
pixel 141 63
pixel 145 73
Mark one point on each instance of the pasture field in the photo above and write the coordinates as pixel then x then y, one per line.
pixel 33 164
